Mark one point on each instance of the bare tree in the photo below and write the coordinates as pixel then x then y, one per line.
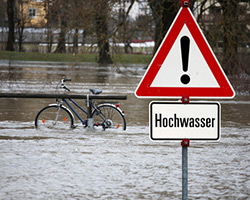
pixel 164 13
pixel 101 18
pixel 230 23
pixel 227 24
pixel 75 41
pixel 62 11
pixel 76 20
pixel 123 28
pixel 21 20
pixel 11 24
pixel 48 7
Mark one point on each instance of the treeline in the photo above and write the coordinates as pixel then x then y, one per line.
pixel 225 24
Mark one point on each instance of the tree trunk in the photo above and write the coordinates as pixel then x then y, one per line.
pixel 20 24
pixel 164 13
pixel 61 41
pixel 20 36
pixel 62 7
pixel 102 33
pixel 231 28
pixel 75 42
pixel 11 23
pixel 157 15
pixel 49 32
pixel 49 39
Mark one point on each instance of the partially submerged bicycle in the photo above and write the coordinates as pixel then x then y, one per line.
pixel 106 115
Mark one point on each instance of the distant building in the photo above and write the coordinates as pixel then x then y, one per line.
pixel 33 12
pixel 29 12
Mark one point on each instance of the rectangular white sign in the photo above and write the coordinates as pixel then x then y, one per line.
pixel 177 121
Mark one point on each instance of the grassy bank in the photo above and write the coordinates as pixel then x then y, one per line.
pixel 61 57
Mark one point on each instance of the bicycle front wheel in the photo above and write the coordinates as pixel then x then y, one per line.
pixel 109 117
pixel 53 116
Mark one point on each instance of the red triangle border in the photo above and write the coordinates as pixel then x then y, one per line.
pixel 225 90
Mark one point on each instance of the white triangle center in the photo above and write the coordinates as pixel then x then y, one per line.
pixel 171 70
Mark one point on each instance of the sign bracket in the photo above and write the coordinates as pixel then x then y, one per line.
pixel 185 99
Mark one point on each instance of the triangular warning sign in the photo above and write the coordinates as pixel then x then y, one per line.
pixel 184 64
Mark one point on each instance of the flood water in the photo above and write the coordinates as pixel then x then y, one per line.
pixel 84 164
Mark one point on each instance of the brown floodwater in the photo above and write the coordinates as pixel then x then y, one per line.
pixel 84 164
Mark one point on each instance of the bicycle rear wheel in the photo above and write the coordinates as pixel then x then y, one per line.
pixel 109 117
pixel 53 116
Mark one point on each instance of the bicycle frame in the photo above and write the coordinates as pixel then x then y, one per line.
pixel 84 122
pixel 73 110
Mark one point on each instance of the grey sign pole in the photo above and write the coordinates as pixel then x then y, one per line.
pixel 185 145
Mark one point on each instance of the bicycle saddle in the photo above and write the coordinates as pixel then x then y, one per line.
pixel 95 91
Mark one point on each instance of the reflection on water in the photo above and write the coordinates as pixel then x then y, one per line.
pixel 83 164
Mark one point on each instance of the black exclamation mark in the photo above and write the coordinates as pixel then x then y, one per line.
pixel 185 43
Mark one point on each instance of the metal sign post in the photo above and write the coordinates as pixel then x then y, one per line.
pixel 185 145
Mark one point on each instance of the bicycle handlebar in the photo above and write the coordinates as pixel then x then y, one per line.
pixel 66 79
pixel 62 83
